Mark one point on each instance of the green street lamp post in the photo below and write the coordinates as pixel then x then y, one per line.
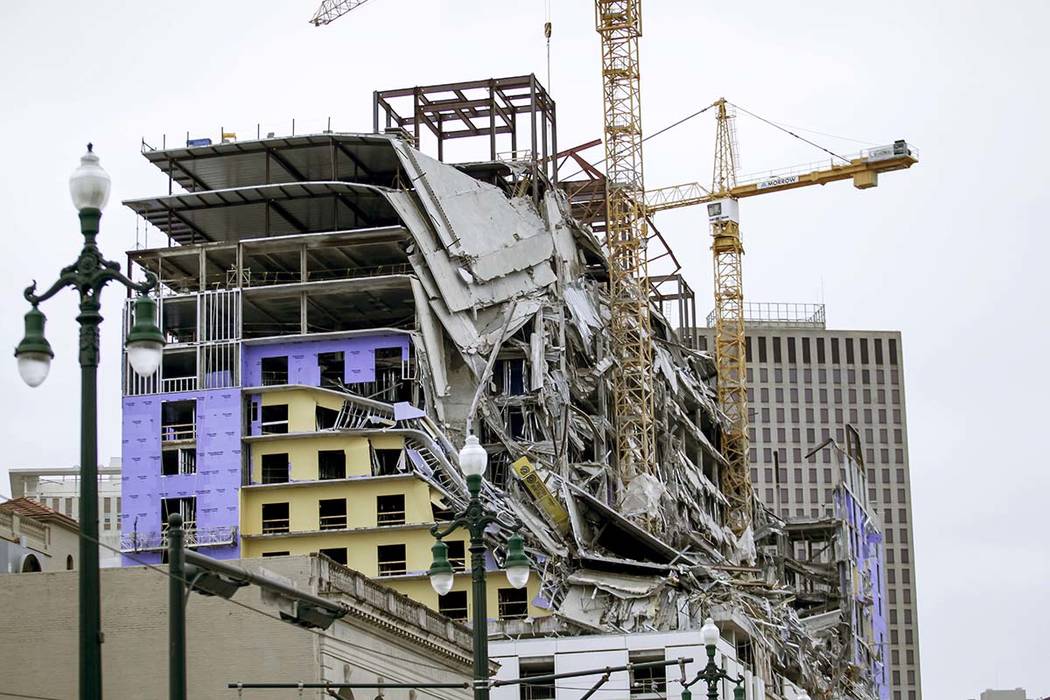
pixel 472 461
pixel 89 187
pixel 711 674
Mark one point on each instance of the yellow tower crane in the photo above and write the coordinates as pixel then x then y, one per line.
pixel 728 251
pixel 619 23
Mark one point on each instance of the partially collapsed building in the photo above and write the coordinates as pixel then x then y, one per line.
pixel 333 301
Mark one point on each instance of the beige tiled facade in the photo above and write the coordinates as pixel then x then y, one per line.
pixel 805 385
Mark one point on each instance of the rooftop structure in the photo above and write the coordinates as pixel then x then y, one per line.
pixel 779 315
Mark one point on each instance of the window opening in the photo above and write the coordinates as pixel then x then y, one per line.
pixel 513 603
pixel 649 681
pixel 332 514
pixel 283 553
pixel 332 366
pixel 178 420
pixel 331 464
pixel 186 507
pixel 391 559
pixel 457 555
pixel 274 371
pixel 509 376
pixel 181 460
pixel 386 462
pixel 531 668
pixel 275 468
pixel 336 554
pixel 275 518
pixel 390 510
pixel 454 605
pixel 325 418
pixel 274 419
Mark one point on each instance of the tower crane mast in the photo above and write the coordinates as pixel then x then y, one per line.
pixel 619 23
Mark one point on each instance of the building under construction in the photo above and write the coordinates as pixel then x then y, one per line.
pixel 332 303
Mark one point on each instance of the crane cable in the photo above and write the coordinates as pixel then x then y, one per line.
pixel 791 133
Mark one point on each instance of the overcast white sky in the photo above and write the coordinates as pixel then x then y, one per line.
pixel 953 252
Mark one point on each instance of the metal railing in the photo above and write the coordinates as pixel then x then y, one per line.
pixel 780 314
pixel 178 431
pixel 393 567
pixel 276 526
pixel 391 517
pixel 138 541
pixel 333 522
pixel 176 384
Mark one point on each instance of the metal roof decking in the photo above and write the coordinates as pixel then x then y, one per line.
pixel 322 157
pixel 263 211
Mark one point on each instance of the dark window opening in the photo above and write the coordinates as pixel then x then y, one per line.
pixel 274 371
pixel 747 348
pixel 178 420
pixel 332 366
pixel 454 605
pixel 791 350
pixel 513 603
pixel 893 351
pixel 532 668
pixel 331 464
pixel 391 559
pixel 516 422
pixel 186 507
pixel 282 553
pixel 878 351
pixel 325 418
pixel 69 562
pixel 275 468
pixel 336 554
pixel 275 518
pixel 386 462
pixel 761 349
pixel 274 419
pixel 390 384
pixel 648 681
pixel 457 554
pixel 849 350
pixel 509 376
pixel 776 350
pixel 820 350
pixel 805 350
pixel 182 460
pixel 745 654
pixel 835 351
pixel 390 510
pixel 332 513
pixel 864 350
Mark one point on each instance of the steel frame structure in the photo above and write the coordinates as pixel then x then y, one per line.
pixel 478 108
pixel 619 23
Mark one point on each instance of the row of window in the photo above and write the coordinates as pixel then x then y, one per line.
pixel 331 464
pixel 852 395
pixel 816 349
pixel 390 510
pixel 825 415
pixel 825 455
pixel 807 375
pixel 811 435
pixel 810 476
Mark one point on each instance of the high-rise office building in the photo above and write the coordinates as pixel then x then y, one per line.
pixel 806 384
